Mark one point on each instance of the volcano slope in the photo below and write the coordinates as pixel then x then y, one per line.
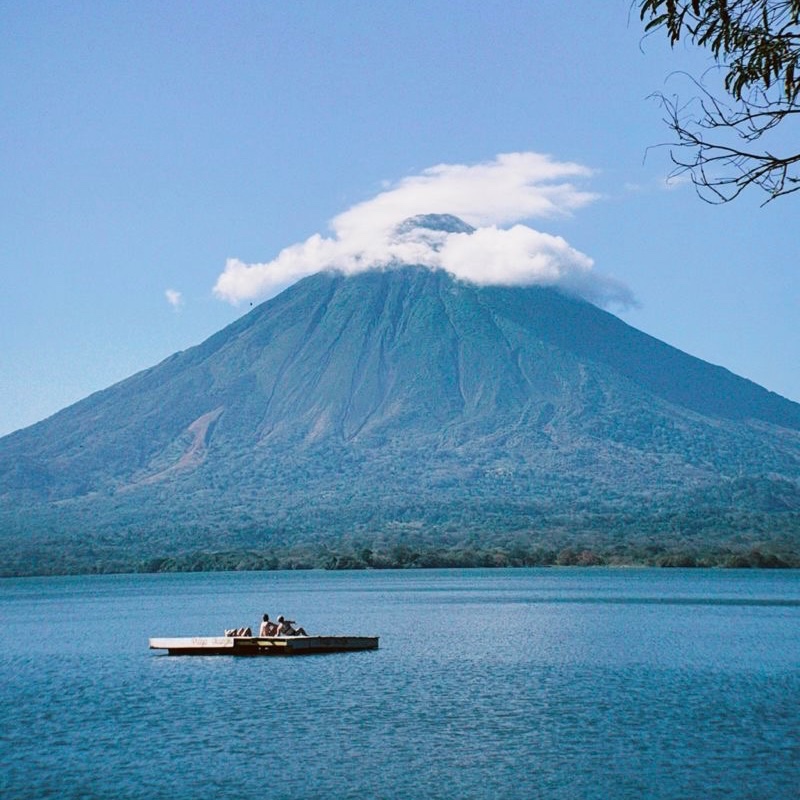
pixel 401 416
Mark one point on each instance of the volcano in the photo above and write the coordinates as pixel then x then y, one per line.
pixel 400 410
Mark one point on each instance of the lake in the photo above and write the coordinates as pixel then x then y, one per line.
pixel 529 683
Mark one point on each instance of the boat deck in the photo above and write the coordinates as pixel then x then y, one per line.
pixel 262 645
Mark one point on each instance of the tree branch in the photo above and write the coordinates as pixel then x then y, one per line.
pixel 721 172
pixel 757 44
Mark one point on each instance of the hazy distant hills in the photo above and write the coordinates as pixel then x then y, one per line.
pixel 402 415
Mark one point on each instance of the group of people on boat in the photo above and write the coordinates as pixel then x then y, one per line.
pixel 238 632
pixel 283 627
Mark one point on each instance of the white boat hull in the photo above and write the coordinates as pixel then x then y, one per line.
pixel 262 645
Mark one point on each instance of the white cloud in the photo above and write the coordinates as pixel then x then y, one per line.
pixel 510 189
pixel 662 183
pixel 677 180
pixel 521 256
pixel 174 298
pixel 513 187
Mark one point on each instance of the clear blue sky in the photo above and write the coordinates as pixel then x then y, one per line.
pixel 144 144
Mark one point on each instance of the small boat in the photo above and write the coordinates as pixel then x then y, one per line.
pixel 263 645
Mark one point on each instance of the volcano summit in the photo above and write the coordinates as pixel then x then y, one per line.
pixel 404 415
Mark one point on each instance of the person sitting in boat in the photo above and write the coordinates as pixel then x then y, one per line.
pixel 267 628
pixel 286 628
pixel 238 632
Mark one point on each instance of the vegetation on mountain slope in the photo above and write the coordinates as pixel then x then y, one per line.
pixel 418 419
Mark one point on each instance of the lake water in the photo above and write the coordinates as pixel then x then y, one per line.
pixel 570 684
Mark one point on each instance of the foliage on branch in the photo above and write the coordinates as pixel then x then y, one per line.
pixel 757 45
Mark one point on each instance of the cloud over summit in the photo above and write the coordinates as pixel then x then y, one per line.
pixel 466 219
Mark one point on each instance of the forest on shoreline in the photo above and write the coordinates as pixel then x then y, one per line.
pixel 405 557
